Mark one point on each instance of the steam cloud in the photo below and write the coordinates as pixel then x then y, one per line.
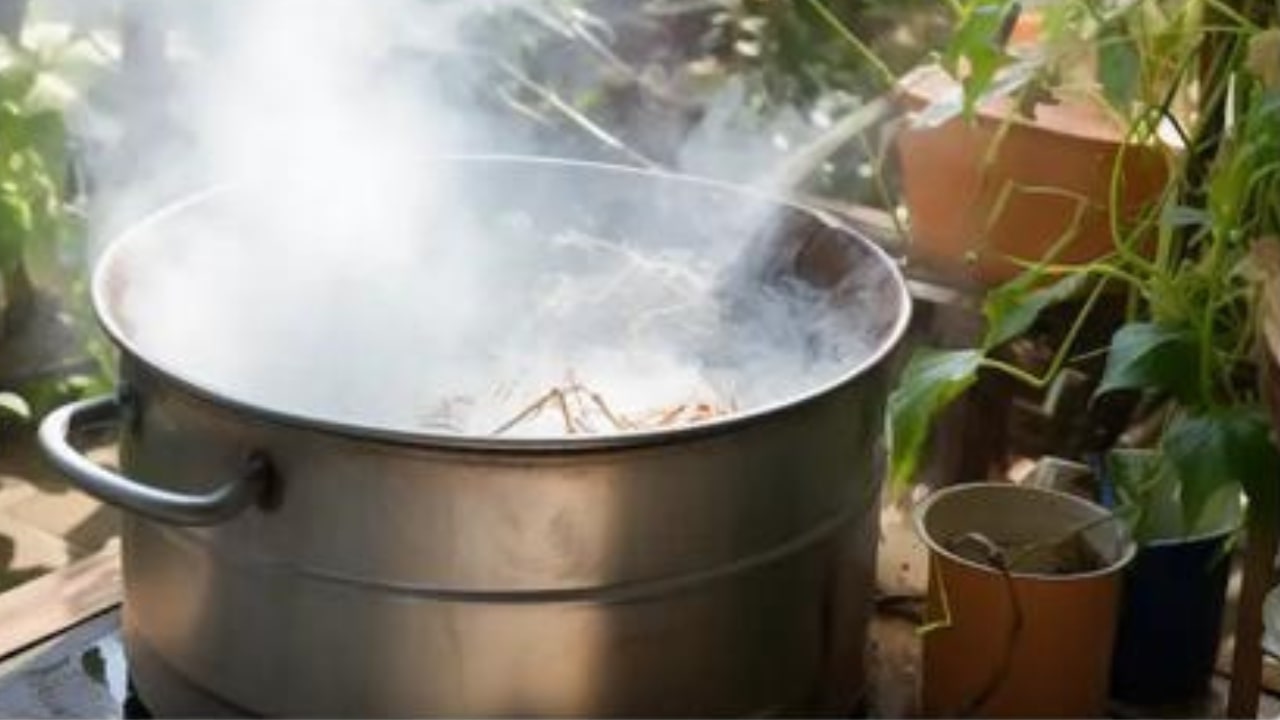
pixel 345 272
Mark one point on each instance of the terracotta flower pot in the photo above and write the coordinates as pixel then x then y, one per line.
pixel 1055 173
pixel 1032 641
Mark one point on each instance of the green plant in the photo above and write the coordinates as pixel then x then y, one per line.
pixel 787 50
pixel 1187 347
pixel 1122 55
pixel 42 233
pixel 1149 497
pixel 33 178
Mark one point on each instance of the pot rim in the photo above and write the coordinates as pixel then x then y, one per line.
pixel 1222 531
pixel 908 93
pixel 1127 554
pixel 886 345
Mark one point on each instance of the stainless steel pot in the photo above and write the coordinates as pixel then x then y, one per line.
pixel 285 564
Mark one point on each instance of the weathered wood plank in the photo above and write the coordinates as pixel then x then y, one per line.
pixel 65 597
pixel 1268 257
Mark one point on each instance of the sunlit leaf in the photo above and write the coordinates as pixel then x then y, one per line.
pixel 932 381
pixel 976 51
pixel 13 405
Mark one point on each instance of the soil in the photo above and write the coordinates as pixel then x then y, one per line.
pixel 1072 555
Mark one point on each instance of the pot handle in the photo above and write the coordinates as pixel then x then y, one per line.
pixel 214 506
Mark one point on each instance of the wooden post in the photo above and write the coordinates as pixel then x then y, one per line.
pixel 1258 577
pixel 1261 537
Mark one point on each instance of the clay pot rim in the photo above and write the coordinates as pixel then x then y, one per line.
pixel 913 99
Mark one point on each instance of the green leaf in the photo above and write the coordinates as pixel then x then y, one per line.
pixel 46 134
pixel 17 79
pixel 1148 494
pixel 931 381
pixel 976 51
pixel 1146 356
pixel 13 405
pixel 1230 447
pixel 1012 308
pixel 1119 67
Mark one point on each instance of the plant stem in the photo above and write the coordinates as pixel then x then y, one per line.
pixel 576 117
pixel 886 197
pixel 889 78
pixel 1064 350
pixel 1098 267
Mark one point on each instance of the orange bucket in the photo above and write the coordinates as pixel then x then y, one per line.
pixel 1033 639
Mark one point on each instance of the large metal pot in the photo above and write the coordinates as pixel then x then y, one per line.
pixel 280 563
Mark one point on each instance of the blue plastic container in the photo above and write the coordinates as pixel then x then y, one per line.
pixel 1170 621
pixel 1174 591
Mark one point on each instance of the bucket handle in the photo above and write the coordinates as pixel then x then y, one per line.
pixel 176 508
pixel 942 623
pixel 1004 664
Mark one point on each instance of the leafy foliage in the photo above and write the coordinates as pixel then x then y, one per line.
pixel 1146 356
pixel 976 52
pixel 1119 66
pixel 1136 46
pixel 798 51
pixel 935 379
pixel 1011 310
pixel 41 229
pixel 1230 446
pixel 1191 326
pixel 931 381
pixel 13 405
pixel 32 164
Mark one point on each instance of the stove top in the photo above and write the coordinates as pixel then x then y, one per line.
pixel 78 674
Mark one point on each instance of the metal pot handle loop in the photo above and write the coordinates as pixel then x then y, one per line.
pixel 217 505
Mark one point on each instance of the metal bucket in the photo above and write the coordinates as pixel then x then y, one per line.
pixel 1015 643
pixel 278 563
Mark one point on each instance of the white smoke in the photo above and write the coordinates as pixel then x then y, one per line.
pixel 346 274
